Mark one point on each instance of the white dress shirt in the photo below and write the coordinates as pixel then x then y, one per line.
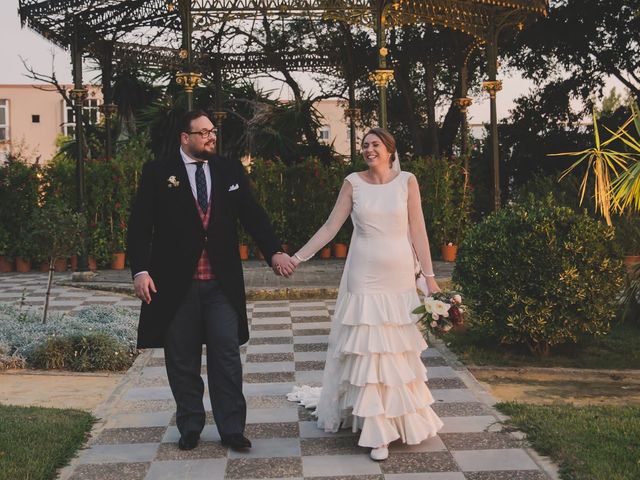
pixel 190 165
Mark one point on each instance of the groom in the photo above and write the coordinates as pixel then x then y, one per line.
pixel 183 251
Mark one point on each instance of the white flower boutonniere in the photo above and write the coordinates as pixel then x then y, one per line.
pixel 172 181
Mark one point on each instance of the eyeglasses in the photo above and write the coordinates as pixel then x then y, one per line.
pixel 205 133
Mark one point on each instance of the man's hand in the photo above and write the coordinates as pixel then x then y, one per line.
pixel 282 265
pixel 143 285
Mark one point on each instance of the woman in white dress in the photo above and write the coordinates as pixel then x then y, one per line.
pixel 374 380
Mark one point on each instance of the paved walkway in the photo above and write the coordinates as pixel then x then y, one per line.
pixel 136 436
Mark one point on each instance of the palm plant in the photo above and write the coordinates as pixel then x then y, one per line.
pixel 616 171
pixel 626 188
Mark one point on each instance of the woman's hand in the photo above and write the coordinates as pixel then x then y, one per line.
pixel 432 284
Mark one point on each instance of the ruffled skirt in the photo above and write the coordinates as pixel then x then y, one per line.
pixel 374 379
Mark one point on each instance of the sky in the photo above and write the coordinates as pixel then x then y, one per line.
pixel 20 42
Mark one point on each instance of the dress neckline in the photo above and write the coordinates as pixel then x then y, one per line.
pixel 377 184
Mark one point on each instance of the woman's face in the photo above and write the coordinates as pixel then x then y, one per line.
pixel 374 151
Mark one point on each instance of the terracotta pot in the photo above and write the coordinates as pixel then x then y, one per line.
pixel 74 263
pixel 117 261
pixel 630 260
pixel 340 250
pixel 60 265
pixel 449 253
pixel 44 266
pixel 325 252
pixel 23 265
pixel 244 252
pixel 5 265
pixel 93 265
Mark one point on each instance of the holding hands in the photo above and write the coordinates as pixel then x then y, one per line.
pixel 283 265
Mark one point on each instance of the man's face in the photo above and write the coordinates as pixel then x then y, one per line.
pixel 201 142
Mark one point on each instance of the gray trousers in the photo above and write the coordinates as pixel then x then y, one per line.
pixel 206 316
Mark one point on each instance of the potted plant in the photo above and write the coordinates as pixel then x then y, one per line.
pixel 24 249
pixel 243 244
pixel 5 264
pixel 628 236
pixel 341 244
pixel 99 249
pixel 454 215
pixel 118 244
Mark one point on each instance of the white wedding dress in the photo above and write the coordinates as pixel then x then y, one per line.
pixel 373 379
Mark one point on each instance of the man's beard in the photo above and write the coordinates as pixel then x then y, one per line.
pixel 203 154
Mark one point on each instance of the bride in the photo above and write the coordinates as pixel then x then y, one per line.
pixel 374 380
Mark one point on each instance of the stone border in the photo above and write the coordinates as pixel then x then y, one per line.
pixel 545 463
pixel 103 410
pixel 561 371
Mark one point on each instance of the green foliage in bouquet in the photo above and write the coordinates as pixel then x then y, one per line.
pixel 441 311
pixel 540 274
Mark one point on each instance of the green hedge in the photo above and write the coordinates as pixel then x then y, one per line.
pixel 298 198
pixel 540 274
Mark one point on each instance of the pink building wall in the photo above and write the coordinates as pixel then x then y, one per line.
pixel 35 141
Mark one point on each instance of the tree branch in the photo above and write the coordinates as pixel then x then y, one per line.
pixel 50 79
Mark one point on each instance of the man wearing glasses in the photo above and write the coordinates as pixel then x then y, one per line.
pixel 183 251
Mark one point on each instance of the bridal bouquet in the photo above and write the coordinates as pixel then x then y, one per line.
pixel 441 311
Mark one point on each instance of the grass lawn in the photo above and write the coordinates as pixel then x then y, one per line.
pixel 618 350
pixel 588 443
pixel 35 442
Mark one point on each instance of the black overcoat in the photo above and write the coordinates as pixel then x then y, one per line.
pixel 166 238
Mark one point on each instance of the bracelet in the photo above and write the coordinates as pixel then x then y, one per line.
pixel 299 257
pixel 429 274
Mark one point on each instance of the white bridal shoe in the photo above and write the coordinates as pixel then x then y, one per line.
pixel 380 453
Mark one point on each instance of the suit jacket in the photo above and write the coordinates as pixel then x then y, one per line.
pixel 166 238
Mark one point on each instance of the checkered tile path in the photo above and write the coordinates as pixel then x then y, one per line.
pixel 29 290
pixel 287 346
pixel 137 436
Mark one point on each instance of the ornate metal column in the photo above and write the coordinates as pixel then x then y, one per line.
pixel 188 79
pixel 353 114
pixel 493 86
pixel 104 51
pixel 383 75
pixel 78 94
pixel 463 104
pixel 109 110
pixel 219 116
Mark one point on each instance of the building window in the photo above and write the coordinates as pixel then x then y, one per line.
pixel 324 133
pixel 35 118
pixel 91 114
pixel 4 120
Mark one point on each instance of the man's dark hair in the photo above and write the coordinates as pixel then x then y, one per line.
pixel 187 118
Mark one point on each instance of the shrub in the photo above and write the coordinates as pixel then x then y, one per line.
pixel 540 274
pixel 55 342
pixel 8 361
pixel 83 353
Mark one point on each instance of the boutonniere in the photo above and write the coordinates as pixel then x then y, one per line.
pixel 172 181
